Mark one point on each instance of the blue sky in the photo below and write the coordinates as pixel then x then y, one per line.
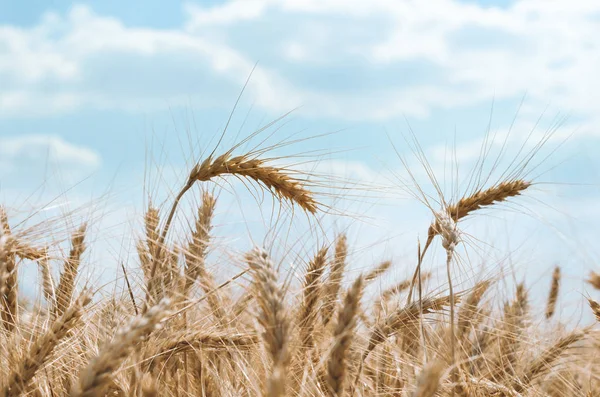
pixel 96 93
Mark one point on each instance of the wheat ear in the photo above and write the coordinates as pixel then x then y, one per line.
pixel 469 309
pixel 542 364
pixel 10 276
pixel 343 335
pixel 467 205
pixel 43 347
pixel 276 179
pixel 378 271
pixel 336 273
pixel 66 284
pixel 273 318
pixel 96 376
pixel 5 248
pixel 308 312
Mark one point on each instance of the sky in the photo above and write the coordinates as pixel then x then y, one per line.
pixel 103 104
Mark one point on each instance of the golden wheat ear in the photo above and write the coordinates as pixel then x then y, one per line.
pixel 273 318
pixel 66 284
pixel 42 348
pixel 466 206
pixel 276 179
pixel 96 377
pixel 343 335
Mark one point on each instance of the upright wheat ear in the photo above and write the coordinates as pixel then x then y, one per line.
pixel 336 273
pixel 10 283
pixel 307 315
pixel 66 284
pixel 343 335
pixel 273 318
pixel 5 247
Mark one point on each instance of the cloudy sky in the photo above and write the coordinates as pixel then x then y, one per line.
pixel 105 103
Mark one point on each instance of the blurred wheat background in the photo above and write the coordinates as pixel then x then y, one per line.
pixel 299 198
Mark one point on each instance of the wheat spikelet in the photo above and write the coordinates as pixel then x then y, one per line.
pixel 273 318
pixel 336 273
pixel 275 179
pixel 66 284
pixel 551 305
pixel 96 376
pixel 343 335
pixel 43 347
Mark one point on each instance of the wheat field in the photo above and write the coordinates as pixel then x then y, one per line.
pixel 179 332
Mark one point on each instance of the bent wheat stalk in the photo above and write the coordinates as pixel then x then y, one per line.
pixel 276 179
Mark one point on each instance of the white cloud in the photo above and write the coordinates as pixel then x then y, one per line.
pixel 461 54
pixel 32 146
